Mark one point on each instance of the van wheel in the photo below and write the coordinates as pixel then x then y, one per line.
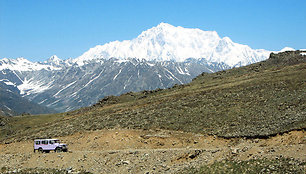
pixel 58 150
pixel 40 150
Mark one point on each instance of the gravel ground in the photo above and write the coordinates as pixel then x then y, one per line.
pixel 135 151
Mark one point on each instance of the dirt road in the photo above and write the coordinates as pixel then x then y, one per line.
pixel 159 151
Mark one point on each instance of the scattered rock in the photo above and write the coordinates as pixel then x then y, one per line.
pixel 235 150
pixel 126 162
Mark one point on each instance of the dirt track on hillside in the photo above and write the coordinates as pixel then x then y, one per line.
pixel 138 151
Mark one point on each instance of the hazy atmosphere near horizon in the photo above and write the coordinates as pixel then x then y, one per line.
pixel 36 29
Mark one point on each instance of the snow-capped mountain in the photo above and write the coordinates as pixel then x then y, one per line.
pixel 72 87
pixel 22 64
pixel 161 43
pixel 169 43
pixel 54 61
pixel 285 49
pixel 158 58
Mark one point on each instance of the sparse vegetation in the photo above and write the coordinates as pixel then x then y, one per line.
pixel 254 166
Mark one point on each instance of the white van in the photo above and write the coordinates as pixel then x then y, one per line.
pixel 46 145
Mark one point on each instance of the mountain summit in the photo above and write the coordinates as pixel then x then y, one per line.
pixel 166 42
pixel 54 60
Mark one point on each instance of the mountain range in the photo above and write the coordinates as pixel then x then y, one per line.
pixel 159 57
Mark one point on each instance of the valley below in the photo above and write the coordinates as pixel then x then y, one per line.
pixel 157 151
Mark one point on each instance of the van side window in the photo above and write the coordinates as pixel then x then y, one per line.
pixel 51 142
pixel 37 142
pixel 44 142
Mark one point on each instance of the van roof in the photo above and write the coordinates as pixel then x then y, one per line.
pixel 44 139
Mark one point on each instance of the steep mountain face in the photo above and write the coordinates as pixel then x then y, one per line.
pixel 158 58
pixel 12 103
pixel 78 86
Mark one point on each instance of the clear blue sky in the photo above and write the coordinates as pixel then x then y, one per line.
pixel 37 29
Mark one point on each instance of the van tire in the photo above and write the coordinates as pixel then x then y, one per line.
pixel 58 150
pixel 40 150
